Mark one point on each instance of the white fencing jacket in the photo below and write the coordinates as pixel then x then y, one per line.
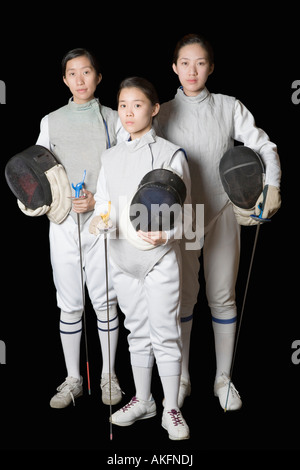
pixel 78 134
pixel 206 126
pixel 123 167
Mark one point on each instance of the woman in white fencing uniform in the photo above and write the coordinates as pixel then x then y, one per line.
pixel 78 134
pixel 145 267
pixel 206 125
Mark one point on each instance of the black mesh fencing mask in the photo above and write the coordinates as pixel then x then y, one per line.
pixel 157 201
pixel 25 175
pixel 40 183
pixel 242 175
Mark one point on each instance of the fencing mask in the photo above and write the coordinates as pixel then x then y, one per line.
pixel 39 183
pixel 242 175
pixel 157 201
pixel 155 206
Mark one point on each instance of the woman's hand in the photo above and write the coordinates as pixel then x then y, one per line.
pixel 155 238
pixel 84 203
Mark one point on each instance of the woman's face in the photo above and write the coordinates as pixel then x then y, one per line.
pixel 193 68
pixel 81 78
pixel 136 111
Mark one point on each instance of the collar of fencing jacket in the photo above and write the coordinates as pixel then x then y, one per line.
pixel 192 99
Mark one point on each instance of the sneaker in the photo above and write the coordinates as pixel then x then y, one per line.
pixel 67 392
pixel 116 392
pixel 136 409
pixel 226 391
pixel 174 423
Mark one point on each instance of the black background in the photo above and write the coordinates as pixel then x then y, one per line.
pixel 256 60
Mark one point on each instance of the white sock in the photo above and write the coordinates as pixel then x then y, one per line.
pixel 142 380
pixel 224 345
pixel 186 329
pixel 103 337
pixel 170 385
pixel 70 327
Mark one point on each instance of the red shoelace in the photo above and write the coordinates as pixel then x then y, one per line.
pixel 176 417
pixel 132 402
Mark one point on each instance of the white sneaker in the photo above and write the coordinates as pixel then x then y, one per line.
pixel 174 423
pixel 67 392
pixel 228 395
pixel 116 392
pixel 136 409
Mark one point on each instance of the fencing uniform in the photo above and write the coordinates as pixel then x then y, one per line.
pixel 78 134
pixel 147 282
pixel 206 126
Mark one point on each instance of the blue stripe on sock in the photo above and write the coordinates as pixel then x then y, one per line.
pixel 224 322
pixel 111 329
pixel 70 332
pixel 105 321
pixel 68 323
pixel 186 319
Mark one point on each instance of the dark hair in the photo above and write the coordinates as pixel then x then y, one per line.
pixel 144 85
pixel 194 39
pixel 78 53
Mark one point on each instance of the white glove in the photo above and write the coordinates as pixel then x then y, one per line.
pixel 33 212
pixel 269 202
pixel 98 224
